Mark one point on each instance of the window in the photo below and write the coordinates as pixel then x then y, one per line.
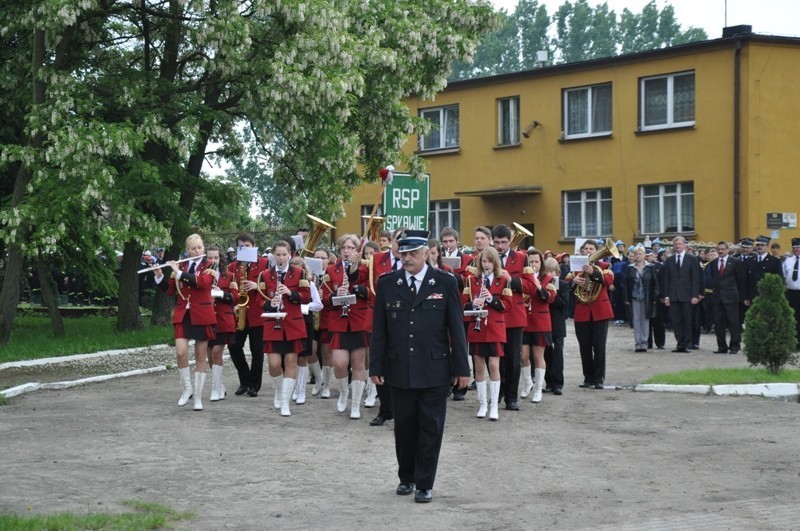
pixel 666 208
pixel 444 128
pixel 667 101
pixel 587 213
pixel 444 214
pixel 366 211
pixel 587 111
pixel 508 121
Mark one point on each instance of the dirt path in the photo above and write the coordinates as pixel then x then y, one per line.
pixel 587 459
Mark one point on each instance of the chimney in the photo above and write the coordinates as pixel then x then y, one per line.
pixel 733 31
pixel 541 58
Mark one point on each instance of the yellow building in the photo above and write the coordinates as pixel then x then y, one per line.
pixel 695 140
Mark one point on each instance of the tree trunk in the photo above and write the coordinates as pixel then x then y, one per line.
pixel 49 294
pixel 129 317
pixel 162 308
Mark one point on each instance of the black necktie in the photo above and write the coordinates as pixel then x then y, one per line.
pixel 796 262
pixel 191 268
pixel 486 282
pixel 281 276
pixel 412 284
pixel 679 261
pixel 503 259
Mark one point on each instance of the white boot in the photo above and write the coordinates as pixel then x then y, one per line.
pixel 216 382
pixel 494 398
pixel 222 391
pixel 299 395
pixel 537 393
pixel 186 383
pixel 286 394
pixel 317 372
pixel 480 388
pixel 327 376
pixel 527 384
pixel 199 382
pixel 355 403
pixel 277 386
pixel 344 393
pixel 372 393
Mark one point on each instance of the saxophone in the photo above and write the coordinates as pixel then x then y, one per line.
pixel 244 299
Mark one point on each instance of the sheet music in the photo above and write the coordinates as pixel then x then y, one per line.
pixel 577 261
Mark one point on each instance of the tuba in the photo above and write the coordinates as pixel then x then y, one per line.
pixel 318 230
pixel 374 227
pixel 520 233
pixel 244 298
pixel 591 289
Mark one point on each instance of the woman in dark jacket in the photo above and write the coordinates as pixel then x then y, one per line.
pixel 642 293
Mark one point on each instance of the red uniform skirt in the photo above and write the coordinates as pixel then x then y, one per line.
pixel 487 350
pixel 186 330
pixel 294 346
pixel 537 339
pixel 349 340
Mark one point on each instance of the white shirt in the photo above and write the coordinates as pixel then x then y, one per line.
pixel 788 270
pixel 316 303
pixel 417 278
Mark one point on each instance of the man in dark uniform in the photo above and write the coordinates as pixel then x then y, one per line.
pixel 418 349
pixel 759 265
pixel 791 275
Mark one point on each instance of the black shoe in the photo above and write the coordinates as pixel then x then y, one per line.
pixel 547 389
pixel 458 397
pixel 640 350
pixel 733 351
pixel 511 406
pixel 586 385
pixel 720 352
pixel 423 496
pixel 660 347
pixel 241 390
pixel 404 489
pixel 251 391
pixel 695 347
pixel 682 350
pixel 379 421
pixel 557 391
pixel 599 386
pixel 472 387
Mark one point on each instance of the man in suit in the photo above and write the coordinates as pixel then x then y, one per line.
pixel 728 289
pixel 758 265
pixel 791 275
pixel 682 290
pixel 418 349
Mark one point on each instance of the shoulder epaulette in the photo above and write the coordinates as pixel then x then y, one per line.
pixel 527 270
pixel 507 292
pixel 303 283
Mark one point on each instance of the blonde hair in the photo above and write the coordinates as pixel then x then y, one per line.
pixel 299 262
pixel 492 254
pixel 551 265
pixel 192 239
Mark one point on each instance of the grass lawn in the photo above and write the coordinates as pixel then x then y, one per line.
pixel 32 337
pixel 712 376
pixel 147 516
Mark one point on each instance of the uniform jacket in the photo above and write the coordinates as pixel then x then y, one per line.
pixel 756 271
pixel 493 326
pixel 293 326
pixel 380 264
pixel 194 294
pixel 356 321
pixel 521 283
pixel 538 306
pixel 600 308
pixel 253 272
pixel 223 308
pixel 731 286
pixel 559 308
pixel 418 341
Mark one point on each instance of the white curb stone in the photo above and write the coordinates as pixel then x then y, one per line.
pixel 662 388
pixel 776 390
pixel 101 378
pixel 20 389
pixel 47 361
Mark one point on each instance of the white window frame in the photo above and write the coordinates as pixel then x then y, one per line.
pixel 670 123
pixel 444 113
pixel 510 136
pixel 591 131
pixel 600 200
pixel 662 195
pixel 366 210
pixel 448 206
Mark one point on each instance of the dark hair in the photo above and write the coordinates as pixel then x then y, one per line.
pixel 485 230
pixel 290 241
pixel 386 234
pixel 501 231
pixel 449 231
pixel 283 243
pixel 246 237
pixel 434 244
pixel 223 269
pixel 371 245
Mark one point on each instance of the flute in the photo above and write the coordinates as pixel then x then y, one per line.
pixel 159 266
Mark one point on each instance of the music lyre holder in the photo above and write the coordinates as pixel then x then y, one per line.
pixel 344 301
pixel 274 315
pixel 479 315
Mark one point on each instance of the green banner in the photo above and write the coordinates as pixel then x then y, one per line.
pixel 407 203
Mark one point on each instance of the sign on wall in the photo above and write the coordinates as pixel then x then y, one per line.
pixel 782 220
pixel 406 202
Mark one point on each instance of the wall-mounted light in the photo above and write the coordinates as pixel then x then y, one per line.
pixel 533 125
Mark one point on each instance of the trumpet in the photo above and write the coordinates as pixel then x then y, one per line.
pixel 159 266
pixel 346 285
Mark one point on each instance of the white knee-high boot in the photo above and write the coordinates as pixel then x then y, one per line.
pixel 286 396
pixel 186 383
pixel 277 386
pixel 355 403
pixel 494 398
pixel 527 384
pixel 480 389
pixel 315 369
pixel 299 395
pixel 372 393
pixel 537 393
pixel 344 393
pixel 199 382
pixel 327 377
pixel 217 389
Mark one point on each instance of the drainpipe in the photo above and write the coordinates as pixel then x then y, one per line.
pixel 737 60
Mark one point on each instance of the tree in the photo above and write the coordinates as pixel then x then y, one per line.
pixel 770 328
pixel 653 29
pixel 533 23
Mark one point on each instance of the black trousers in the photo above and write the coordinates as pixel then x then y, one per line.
pixel 681 313
pixel 554 358
pixel 727 316
pixel 793 296
pixel 249 376
pixel 592 337
pixel 658 329
pixel 510 364
pixel 385 396
pixel 418 429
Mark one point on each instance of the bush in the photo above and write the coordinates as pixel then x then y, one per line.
pixel 770 330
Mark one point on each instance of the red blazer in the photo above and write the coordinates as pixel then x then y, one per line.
pixel 254 270
pixel 493 328
pixel 358 314
pixel 193 293
pixel 293 326
pixel 600 309
pixel 521 284
pixel 539 306
pixel 379 264
pixel 223 308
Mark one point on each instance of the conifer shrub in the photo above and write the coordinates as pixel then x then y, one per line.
pixel 770 330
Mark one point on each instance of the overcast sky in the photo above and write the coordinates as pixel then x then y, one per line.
pixel 770 17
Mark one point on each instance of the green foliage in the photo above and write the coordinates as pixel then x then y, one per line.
pixel 770 328
pixel 33 337
pixel 724 376
pixel 148 516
